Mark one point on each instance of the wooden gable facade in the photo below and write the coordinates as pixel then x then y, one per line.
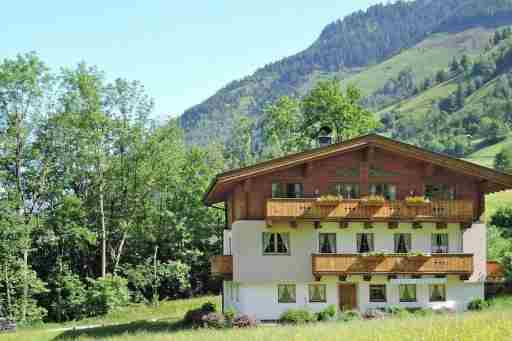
pixel 367 163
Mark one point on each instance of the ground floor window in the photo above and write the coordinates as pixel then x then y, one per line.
pixel 377 293
pixel 407 292
pixel 286 293
pixel 437 292
pixel 317 293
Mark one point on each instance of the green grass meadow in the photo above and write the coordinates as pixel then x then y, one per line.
pixel 492 324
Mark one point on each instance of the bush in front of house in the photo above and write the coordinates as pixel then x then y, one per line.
pixel 328 314
pixel 477 304
pixel 194 317
pixel 245 321
pixel 350 315
pixel 371 314
pixel 297 316
pixel 230 314
pixel 213 320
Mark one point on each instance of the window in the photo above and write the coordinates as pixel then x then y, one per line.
pixel 402 242
pixel 437 292
pixel 327 243
pixel 365 242
pixel 232 291
pixel 407 292
pixel 286 293
pixel 290 190
pixel 377 293
pixel 276 243
pixel 317 293
pixel 386 190
pixel 440 243
pixel 347 191
pixel 440 192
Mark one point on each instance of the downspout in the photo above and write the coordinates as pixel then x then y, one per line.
pixel 225 228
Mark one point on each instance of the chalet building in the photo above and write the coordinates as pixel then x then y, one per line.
pixel 366 223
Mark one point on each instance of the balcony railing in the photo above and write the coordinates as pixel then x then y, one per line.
pixel 311 209
pixel 222 266
pixel 351 264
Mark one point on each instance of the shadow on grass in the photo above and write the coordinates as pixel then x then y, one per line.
pixel 119 329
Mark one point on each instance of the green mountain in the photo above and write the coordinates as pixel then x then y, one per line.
pixel 389 51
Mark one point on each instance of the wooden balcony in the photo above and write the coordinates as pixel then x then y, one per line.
pixel 311 209
pixel 352 264
pixel 222 266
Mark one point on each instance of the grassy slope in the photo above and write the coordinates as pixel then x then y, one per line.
pixel 429 56
pixel 493 325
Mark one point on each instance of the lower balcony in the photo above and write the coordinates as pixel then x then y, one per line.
pixel 222 266
pixel 359 264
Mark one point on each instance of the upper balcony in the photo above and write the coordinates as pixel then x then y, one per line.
pixel 312 209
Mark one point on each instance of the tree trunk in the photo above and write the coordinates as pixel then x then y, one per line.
pixel 25 285
pixel 103 235
pixel 7 287
pixel 155 279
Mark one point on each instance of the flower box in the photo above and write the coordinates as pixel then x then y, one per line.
pixel 417 201
pixel 373 200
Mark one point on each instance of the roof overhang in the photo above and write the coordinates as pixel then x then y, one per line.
pixel 492 180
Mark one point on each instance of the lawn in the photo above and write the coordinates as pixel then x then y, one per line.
pixel 492 324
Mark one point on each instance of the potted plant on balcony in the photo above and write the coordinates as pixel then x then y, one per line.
pixel 374 256
pixel 417 201
pixel 329 200
pixel 418 255
pixel 373 200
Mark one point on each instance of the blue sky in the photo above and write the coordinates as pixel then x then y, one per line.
pixel 182 51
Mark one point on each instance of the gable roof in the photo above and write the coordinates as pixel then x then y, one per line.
pixel 495 180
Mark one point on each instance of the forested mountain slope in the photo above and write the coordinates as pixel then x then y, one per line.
pixel 343 49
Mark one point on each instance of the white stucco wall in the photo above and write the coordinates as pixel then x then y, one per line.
pixel 260 300
pixel 251 266
pixel 474 241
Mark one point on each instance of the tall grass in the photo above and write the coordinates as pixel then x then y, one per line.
pixel 490 325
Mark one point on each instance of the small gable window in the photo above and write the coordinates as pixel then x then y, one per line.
pixel 440 192
pixel 347 191
pixel 385 190
pixel 288 190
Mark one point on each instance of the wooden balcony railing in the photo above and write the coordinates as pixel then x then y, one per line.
pixel 436 264
pixel 222 266
pixel 311 209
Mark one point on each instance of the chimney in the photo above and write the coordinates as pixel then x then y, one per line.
pixel 325 137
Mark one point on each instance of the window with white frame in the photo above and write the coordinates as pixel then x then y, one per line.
pixel 402 242
pixel 437 292
pixel 377 293
pixel 365 242
pixel 440 243
pixel 317 293
pixel 276 243
pixel 386 190
pixel 347 191
pixel 407 292
pixel 327 242
pixel 286 293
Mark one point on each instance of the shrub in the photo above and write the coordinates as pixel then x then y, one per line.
pixel 327 314
pixel 106 294
pixel 195 317
pixel 420 311
pixel 213 320
pixel 350 315
pixel 477 304
pixel 297 316
pixel 374 314
pixel 230 315
pixel 208 307
pixel 245 321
